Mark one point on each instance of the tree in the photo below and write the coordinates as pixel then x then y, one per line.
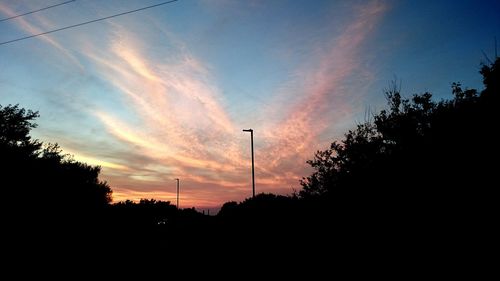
pixel 417 179
pixel 15 125
pixel 146 213
pixel 38 176
pixel 418 155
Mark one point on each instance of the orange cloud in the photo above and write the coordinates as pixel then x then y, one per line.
pixel 182 124
pixel 170 117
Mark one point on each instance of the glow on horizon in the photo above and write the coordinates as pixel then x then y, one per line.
pixel 144 99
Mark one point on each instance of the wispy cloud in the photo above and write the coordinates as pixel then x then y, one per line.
pixel 181 120
pixel 36 26
pixel 181 123
pixel 163 107
pixel 322 99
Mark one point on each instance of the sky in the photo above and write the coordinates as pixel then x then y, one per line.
pixel 164 93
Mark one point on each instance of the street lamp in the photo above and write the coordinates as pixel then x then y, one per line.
pixel 177 193
pixel 253 169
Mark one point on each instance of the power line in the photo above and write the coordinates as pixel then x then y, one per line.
pixel 87 22
pixel 35 11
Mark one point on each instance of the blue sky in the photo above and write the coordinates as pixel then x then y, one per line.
pixel 164 93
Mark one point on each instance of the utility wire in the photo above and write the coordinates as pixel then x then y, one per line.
pixel 87 22
pixel 35 11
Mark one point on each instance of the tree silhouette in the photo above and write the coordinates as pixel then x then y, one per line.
pixel 419 177
pixel 145 213
pixel 37 176
pixel 15 124
pixel 422 169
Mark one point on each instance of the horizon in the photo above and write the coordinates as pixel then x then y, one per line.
pixel 165 93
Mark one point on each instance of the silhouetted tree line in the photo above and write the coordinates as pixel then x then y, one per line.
pixel 38 176
pixel 48 198
pixel 265 209
pixel 149 213
pixel 150 225
pixel 146 211
pixel 419 156
pixel 419 173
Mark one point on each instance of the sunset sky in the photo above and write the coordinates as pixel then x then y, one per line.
pixel 164 93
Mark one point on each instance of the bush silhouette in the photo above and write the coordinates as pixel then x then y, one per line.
pixel 419 167
pixel 37 178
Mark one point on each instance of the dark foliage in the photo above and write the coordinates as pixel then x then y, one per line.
pixel 39 175
pixel 416 181
pixel 145 213
pixel 264 209
pixel 422 171
pixel 417 147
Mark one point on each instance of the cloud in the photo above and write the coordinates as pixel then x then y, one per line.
pixel 181 123
pixel 39 25
pixel 322 98
pixel 96 162
pixel 163 115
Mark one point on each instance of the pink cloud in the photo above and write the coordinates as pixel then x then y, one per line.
pixel 183 125
pixel 182 122
pixel 321 101
pixel 180 127
pixel 42 25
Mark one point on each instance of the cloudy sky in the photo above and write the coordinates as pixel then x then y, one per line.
pixel 164 93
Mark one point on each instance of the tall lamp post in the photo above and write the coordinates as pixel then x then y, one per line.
pixel 177 193
pixel 253 169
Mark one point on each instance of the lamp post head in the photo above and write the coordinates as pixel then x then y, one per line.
pixel 248 130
